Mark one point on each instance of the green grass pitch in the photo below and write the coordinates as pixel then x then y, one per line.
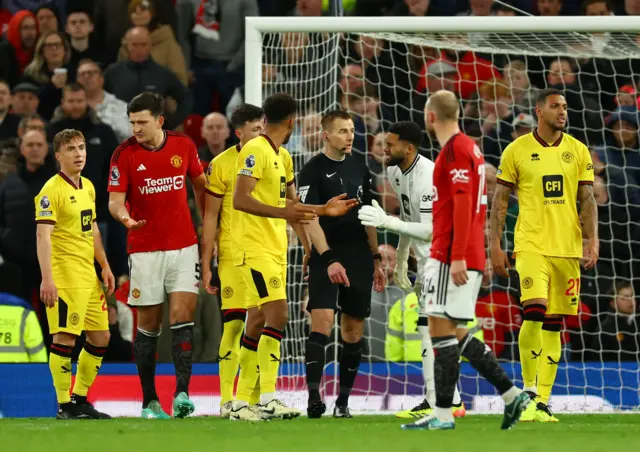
pixel 580 433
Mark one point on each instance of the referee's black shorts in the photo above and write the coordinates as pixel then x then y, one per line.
pixel 355 300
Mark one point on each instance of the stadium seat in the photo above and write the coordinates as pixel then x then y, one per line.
pixel 192 127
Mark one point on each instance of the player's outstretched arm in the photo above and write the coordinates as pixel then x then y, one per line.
pixel 243 201
pixel 98 251
pixel 209 238
pixel 376 217
pixel 118 210
pixel 48 290
pixel 335 207
pixel 499 207
pixel 589 218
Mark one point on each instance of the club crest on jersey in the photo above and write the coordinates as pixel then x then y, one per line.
pixel 567 157
pixel 135 293
pixel 176 161
pixel 92 196
pixel 274 282
pixel 115 173
pixel 227 292
pixel 74 318
pixel 210 169
pixel 250 161
pixel 44 202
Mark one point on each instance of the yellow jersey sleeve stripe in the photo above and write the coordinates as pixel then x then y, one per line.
pixel 291 182
pixel 585 182
pixel 45 222
pixel 505 183
pixel 212 193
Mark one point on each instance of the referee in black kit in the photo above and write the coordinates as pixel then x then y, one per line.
pixel 344 262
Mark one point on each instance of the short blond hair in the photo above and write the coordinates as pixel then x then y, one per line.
pixel 65 137
pixel 445 105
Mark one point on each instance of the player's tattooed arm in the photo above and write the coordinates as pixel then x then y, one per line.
pixel 499 207
pixel 589 219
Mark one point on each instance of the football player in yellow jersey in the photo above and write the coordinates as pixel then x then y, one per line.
pixel 550 171
pixel 68 240
pixel 247 120
pixel 264 201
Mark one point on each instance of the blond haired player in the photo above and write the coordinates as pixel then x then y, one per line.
pixel 247 120
pixel 68 240
pixel 550 170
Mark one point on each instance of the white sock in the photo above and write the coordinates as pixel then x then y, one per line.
pixel 237 404
pixel 267 397
pixel 530 389
pixel 456 397
pixel 510 395
pixel 443 414
pixel 427 365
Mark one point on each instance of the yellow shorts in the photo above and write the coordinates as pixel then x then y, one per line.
pixel 556 279
pixel 264 279
pixel 79 309
pixel 231 286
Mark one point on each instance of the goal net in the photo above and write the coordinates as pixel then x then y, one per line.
pixel 385 76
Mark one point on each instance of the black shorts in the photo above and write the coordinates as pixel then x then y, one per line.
pixel 354 300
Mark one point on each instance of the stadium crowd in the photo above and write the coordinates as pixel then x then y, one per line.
pixel 76 64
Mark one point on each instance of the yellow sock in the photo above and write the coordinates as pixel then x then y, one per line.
pixel 269 357
pixel 530 344
pixel 89 363
pixel 248 360
pixel 228 357
pixel 255 395
pixel 551 353
pixel 60 366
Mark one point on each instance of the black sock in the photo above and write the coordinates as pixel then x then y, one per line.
pixel 446 369
pixel 145 347
pixel 485 362
pixel 314 357
pixel 349 364
pixel 182 354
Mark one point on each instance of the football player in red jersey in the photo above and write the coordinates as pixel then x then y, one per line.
pixel 453 272
pixel 149 171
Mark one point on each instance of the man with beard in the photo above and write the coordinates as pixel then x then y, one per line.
pixel 550 170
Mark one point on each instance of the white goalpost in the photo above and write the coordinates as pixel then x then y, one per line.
pixel 381 69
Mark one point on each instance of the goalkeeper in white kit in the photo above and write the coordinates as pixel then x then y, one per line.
pixel 411 176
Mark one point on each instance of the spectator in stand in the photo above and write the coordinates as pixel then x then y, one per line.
pixel 17 50
pixel 8 158
pixel 111 24
pixel 496 115
pixel 522 125
pixel 215 132
pixel 632 7
pixel 584 115
pixel 217 31
pixel 596 8
pixel 619 339
pixel 621 191
pixel 627 96
pixel 111 110
pixel 25 100
pixel 48 18
pixel 312 142
pixel 74 113
pixel 479 8
pixel 79 28
pixel 523 94
pixel 48 70
pixel 548 8
pixel 504 10
pixel 29 123
pixel 622 144
pixel 17 211
pixel 164 48
pixel 140 73
pixel 8 122
pixel 376 157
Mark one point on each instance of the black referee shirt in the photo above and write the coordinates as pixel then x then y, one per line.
pixel 323 178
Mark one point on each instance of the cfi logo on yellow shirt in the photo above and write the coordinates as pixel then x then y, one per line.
pixel 176 161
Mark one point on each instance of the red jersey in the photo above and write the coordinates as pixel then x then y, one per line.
pixel 498 315
pixel 459 203
pixel 154 181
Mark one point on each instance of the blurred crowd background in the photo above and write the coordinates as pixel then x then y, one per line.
pixel 76 64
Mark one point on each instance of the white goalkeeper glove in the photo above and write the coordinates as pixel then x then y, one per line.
pixel 401 277
pixel 374 215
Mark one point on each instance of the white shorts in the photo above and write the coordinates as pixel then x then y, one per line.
pixel 157 273
pixel 442 298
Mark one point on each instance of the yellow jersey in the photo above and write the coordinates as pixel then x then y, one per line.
pixel 546 178
pixel 72 211
pixel 221 178
pixel 254 236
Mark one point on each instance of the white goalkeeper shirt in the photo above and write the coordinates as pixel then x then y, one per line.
pixel 414 188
